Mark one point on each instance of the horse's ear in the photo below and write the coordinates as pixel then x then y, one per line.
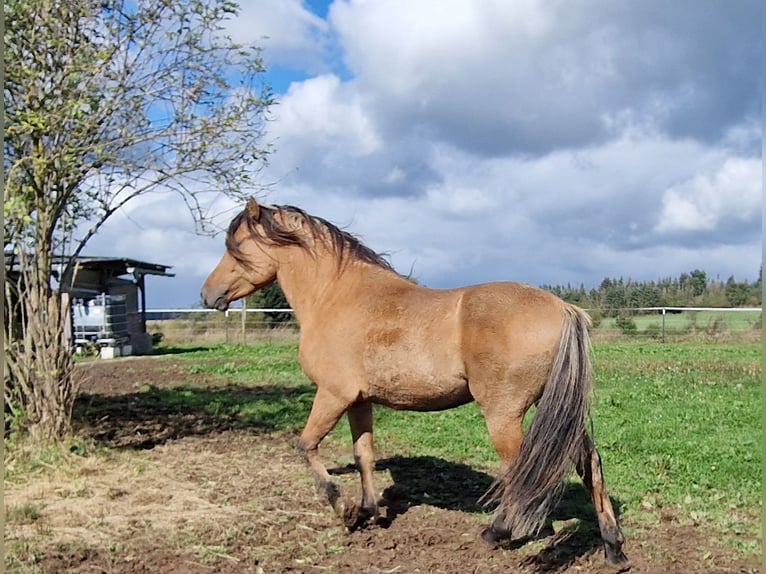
pixel 253 209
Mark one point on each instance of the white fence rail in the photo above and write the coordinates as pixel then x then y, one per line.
pixel 238 325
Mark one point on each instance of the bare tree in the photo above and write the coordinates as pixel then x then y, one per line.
pixel 107 100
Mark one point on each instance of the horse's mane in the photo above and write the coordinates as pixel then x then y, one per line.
pixel 345 245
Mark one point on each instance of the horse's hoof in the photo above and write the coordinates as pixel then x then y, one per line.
pixel 491 537
pixel 349 513
pixel 360 518
pixel 616 557
pixel 495 537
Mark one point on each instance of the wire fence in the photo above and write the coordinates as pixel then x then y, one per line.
pixel 669 324
pixel 236 325
pixel 662 324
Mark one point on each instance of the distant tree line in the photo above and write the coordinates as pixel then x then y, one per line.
pixel 612 297
pixel 693 289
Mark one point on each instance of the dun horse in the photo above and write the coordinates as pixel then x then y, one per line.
pixel 368 335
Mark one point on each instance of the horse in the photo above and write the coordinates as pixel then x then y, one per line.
pixel 369 335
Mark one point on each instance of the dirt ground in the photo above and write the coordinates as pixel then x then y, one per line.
pixel 182 493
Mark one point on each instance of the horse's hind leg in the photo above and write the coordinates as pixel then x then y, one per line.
pixel 506 434
pixel 325 413
pixel 360 420
pixel 590 470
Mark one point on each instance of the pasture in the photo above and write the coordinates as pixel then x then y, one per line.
pixel 194 326
pixel 185 462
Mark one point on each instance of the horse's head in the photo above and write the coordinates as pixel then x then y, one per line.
pixel 252 256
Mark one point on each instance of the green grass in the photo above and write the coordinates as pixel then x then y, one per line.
pixel 24 458
pixel 675 424
pixel 269 361
pixel 280 400
pixel 678 426
pixel 27 513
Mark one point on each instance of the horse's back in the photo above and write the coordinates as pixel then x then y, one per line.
pixel 506 307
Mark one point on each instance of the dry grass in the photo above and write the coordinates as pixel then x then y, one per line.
pixel 205 499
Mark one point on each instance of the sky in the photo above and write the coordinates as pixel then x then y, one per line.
pixel 547 142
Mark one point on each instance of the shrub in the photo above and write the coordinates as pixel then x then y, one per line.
pixel 716 327
pixel 653 330
pixel 596 317
pixel 626 324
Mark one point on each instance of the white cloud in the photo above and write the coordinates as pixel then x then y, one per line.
pixel 460 201
pixel 289 33
pixel 731 195
pixel 327 115
pixel 547 142
pixel 498 77
pixel 325 134
pixel 571 215
pixel 158 228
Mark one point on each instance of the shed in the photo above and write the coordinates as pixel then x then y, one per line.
pixel 108 296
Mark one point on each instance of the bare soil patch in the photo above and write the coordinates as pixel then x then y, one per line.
pixel 181 492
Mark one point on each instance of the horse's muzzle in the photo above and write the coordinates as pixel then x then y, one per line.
pixel 219 303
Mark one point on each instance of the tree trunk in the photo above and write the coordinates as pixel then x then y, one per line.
pixel 41 386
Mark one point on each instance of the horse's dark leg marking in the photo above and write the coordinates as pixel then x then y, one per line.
pixel 360 420
pixel 325 413
pixel 590 470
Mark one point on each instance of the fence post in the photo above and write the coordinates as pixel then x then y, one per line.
pixel 226 326
pixel 663 324
pixel 244 316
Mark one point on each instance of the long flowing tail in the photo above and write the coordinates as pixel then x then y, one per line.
pixel 533 484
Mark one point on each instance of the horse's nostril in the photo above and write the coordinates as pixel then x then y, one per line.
pixel 220 303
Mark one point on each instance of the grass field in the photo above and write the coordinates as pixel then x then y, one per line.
pixel 678 426
pixel 719 324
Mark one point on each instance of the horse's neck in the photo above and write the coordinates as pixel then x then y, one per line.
pixel 311 282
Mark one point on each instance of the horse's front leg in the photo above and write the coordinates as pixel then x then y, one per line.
pixel 325 413
pixel 360 420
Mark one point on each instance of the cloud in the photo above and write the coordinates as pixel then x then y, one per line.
pixel 729 198
pixel 290 34
pixel 158 228
pixel 575 214
pixel 528 77
pixel 327 115
pixel 546 142
pixel 325 135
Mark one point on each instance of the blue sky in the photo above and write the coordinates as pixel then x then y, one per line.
pixel 476 140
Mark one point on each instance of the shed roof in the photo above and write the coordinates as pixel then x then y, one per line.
pixel 123 266
pixel 116 265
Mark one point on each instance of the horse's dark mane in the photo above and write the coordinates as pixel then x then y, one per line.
pixel 346 246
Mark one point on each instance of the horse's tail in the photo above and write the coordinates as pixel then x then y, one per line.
pixel 533 484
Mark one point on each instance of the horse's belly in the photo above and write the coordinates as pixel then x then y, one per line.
pixel 415 368
pixel 419 393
